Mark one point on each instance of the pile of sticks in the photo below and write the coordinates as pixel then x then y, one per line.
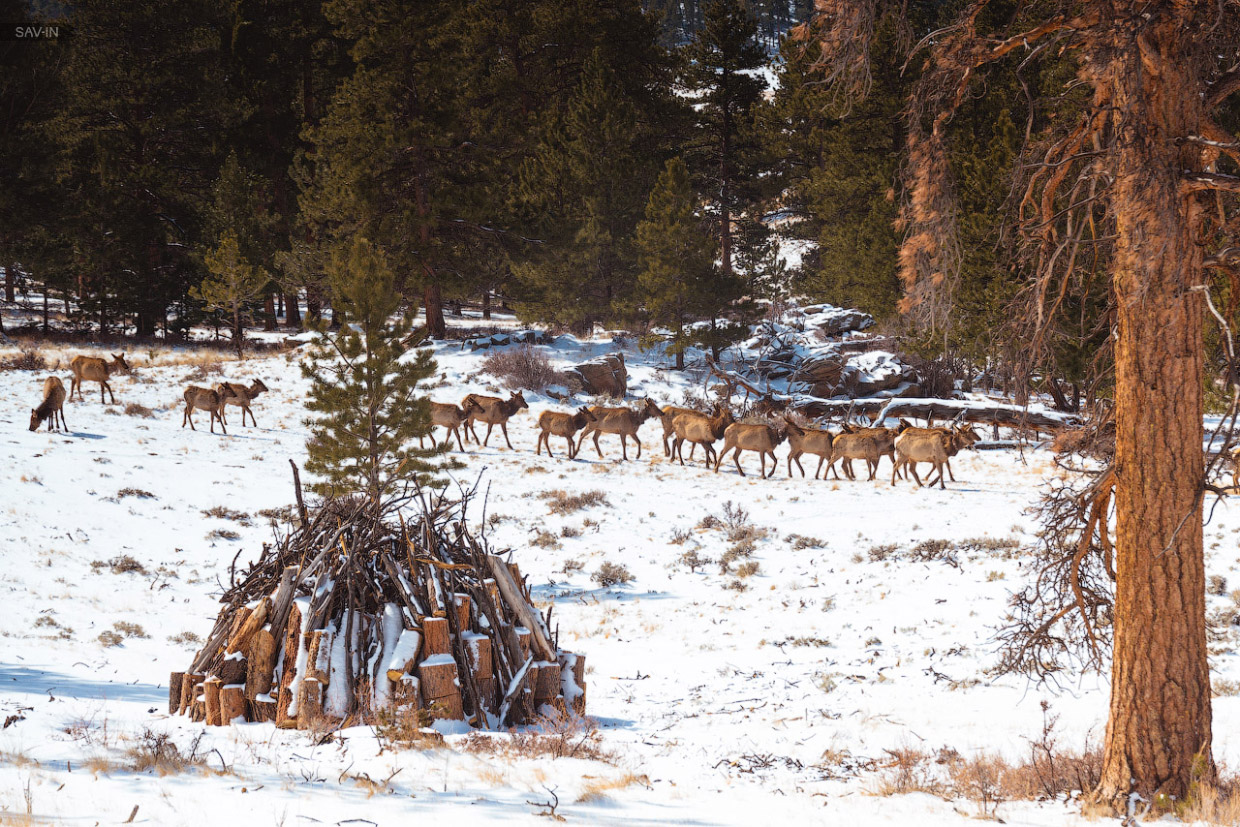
pixel 355 613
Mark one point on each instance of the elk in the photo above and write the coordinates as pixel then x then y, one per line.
pixel 849 446
pixel 94 369
pixel 53 403
pixel 700 431
pixel 450 417
pixel 955 440
pixel 493 411
pixel 1235 468
pixel 670 412
pixel 622 421
pixel 807 441
pixel 884 443
pixel 555 423
pixel 205 399
pixel 241 395
pixel 761 439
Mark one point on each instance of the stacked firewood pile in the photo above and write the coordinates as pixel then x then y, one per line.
pixel 353 615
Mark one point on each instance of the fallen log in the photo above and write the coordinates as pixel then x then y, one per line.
pixel 938 410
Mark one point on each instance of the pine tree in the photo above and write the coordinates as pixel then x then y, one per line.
pixel 677 259
pixel 724 151
pixel 363 391
pixel 233 284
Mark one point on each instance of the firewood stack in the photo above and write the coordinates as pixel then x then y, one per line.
pixel 352 614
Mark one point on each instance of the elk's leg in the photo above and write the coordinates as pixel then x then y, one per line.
pixel 948 463
pixel 736 460
pixel 639 446
pixel 821 460
pixel 667 451
pixel 503 426
pixel 597 434
pixel 676 450
pixel 487 438
pixel 189 416
pixel 457 431
pixel 571 453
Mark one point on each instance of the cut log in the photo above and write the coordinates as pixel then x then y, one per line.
pixel 319 655
pixel 190 688
pixel 407 692
pixel 238 622
pixel 211 697
pixel 262 711
pixel 283 600
pixel 232 669
pixel 175 680
pixel 198 712
pixel 309 702
pixel 548 686
pixel 240 642
pixel 942 410
pixel 523 638
pixel 232 703
pixel 462 611
pixel 292 646
pixel 573 680
pixel 438 677
pixel 436 637
pixel 260 664
pixel 449 708
pixel 404 655
pixel 478 651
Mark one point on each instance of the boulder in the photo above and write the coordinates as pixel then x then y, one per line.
pixel 604 376
pixel 835 321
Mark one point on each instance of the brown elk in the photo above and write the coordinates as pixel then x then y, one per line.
pixel 698 431
pixel 555 423
pixel 450 417
pixel 803 441
pixel 670 412
pixel 53 404
pixel 241 395
pixel 884 443
pixel 761 439
pixel 205 399
pixel 953 440
pixel 493 411
pixel 846 447
pixel 621 421
pixel 94 369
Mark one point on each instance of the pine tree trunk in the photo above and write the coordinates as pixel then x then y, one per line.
pixel 269 312
pixel 292 310
pixel 433 302
pixel 10 284
pixel 314 306
pixel 486 304
pixel 1159 731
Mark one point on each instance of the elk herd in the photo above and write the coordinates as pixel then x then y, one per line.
pixel 906 446
pixel 94 369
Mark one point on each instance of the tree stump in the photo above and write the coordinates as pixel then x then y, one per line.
pixel 462 611
pixel 189 688
pixel 523 638
pixel 406 692
pixel 292 647
pixel 262 711
pixel 211 699
pixel 548 686
pixel 232 703
pixel 478 652
pixel 319 655
pixel 309 702
pixel 232 670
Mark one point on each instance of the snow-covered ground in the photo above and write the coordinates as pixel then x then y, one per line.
pixel 723 699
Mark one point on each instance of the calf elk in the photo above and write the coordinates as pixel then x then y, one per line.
pixel 94 369
pixel 205 399
pixel 807 441
pixel 493 411
pixel 241 395
pixel 53 404
pixel 699 431
pixel 622 421
pixel 555 423
pixel 450 417
pixel 761 439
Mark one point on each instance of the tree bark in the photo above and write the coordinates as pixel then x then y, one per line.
pixel 10 285
pixel 292 311
pixel 269 312
pixel 1159 732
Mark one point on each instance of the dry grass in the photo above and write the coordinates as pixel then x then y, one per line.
pixel 25 359
pixel 156 752
pixel 134 409
pixel 595 790
pixel 564 737
pixel 612 574
pixel 561 502
pixel 124 564
pixel 220 512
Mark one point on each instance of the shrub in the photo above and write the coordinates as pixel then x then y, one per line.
pixel 610 574
pixel 227 535
pixel 545 539
pixel 572 566
pixel 119 565
pixel 1217 585
pixel 110 638
pixel 694 561
pixel 129 629
pixel 748 569
pixel 134 492
pixel 156 752
pixel 222 513
pixel 25 360
pixel 520 367
pixel 561 502
pixel 134 409
pixel 800 541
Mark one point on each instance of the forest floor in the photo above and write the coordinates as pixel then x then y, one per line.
pixel 841 671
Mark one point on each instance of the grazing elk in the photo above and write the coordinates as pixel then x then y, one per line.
pixel 622 421
pixel 205 399
pixel 699 431
pixel 94 369
pixel 241 395
pixel 493 411
pixel 450 417
pixel 761 439
pixel 53 404
pixel 555 423
pixel 807 441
